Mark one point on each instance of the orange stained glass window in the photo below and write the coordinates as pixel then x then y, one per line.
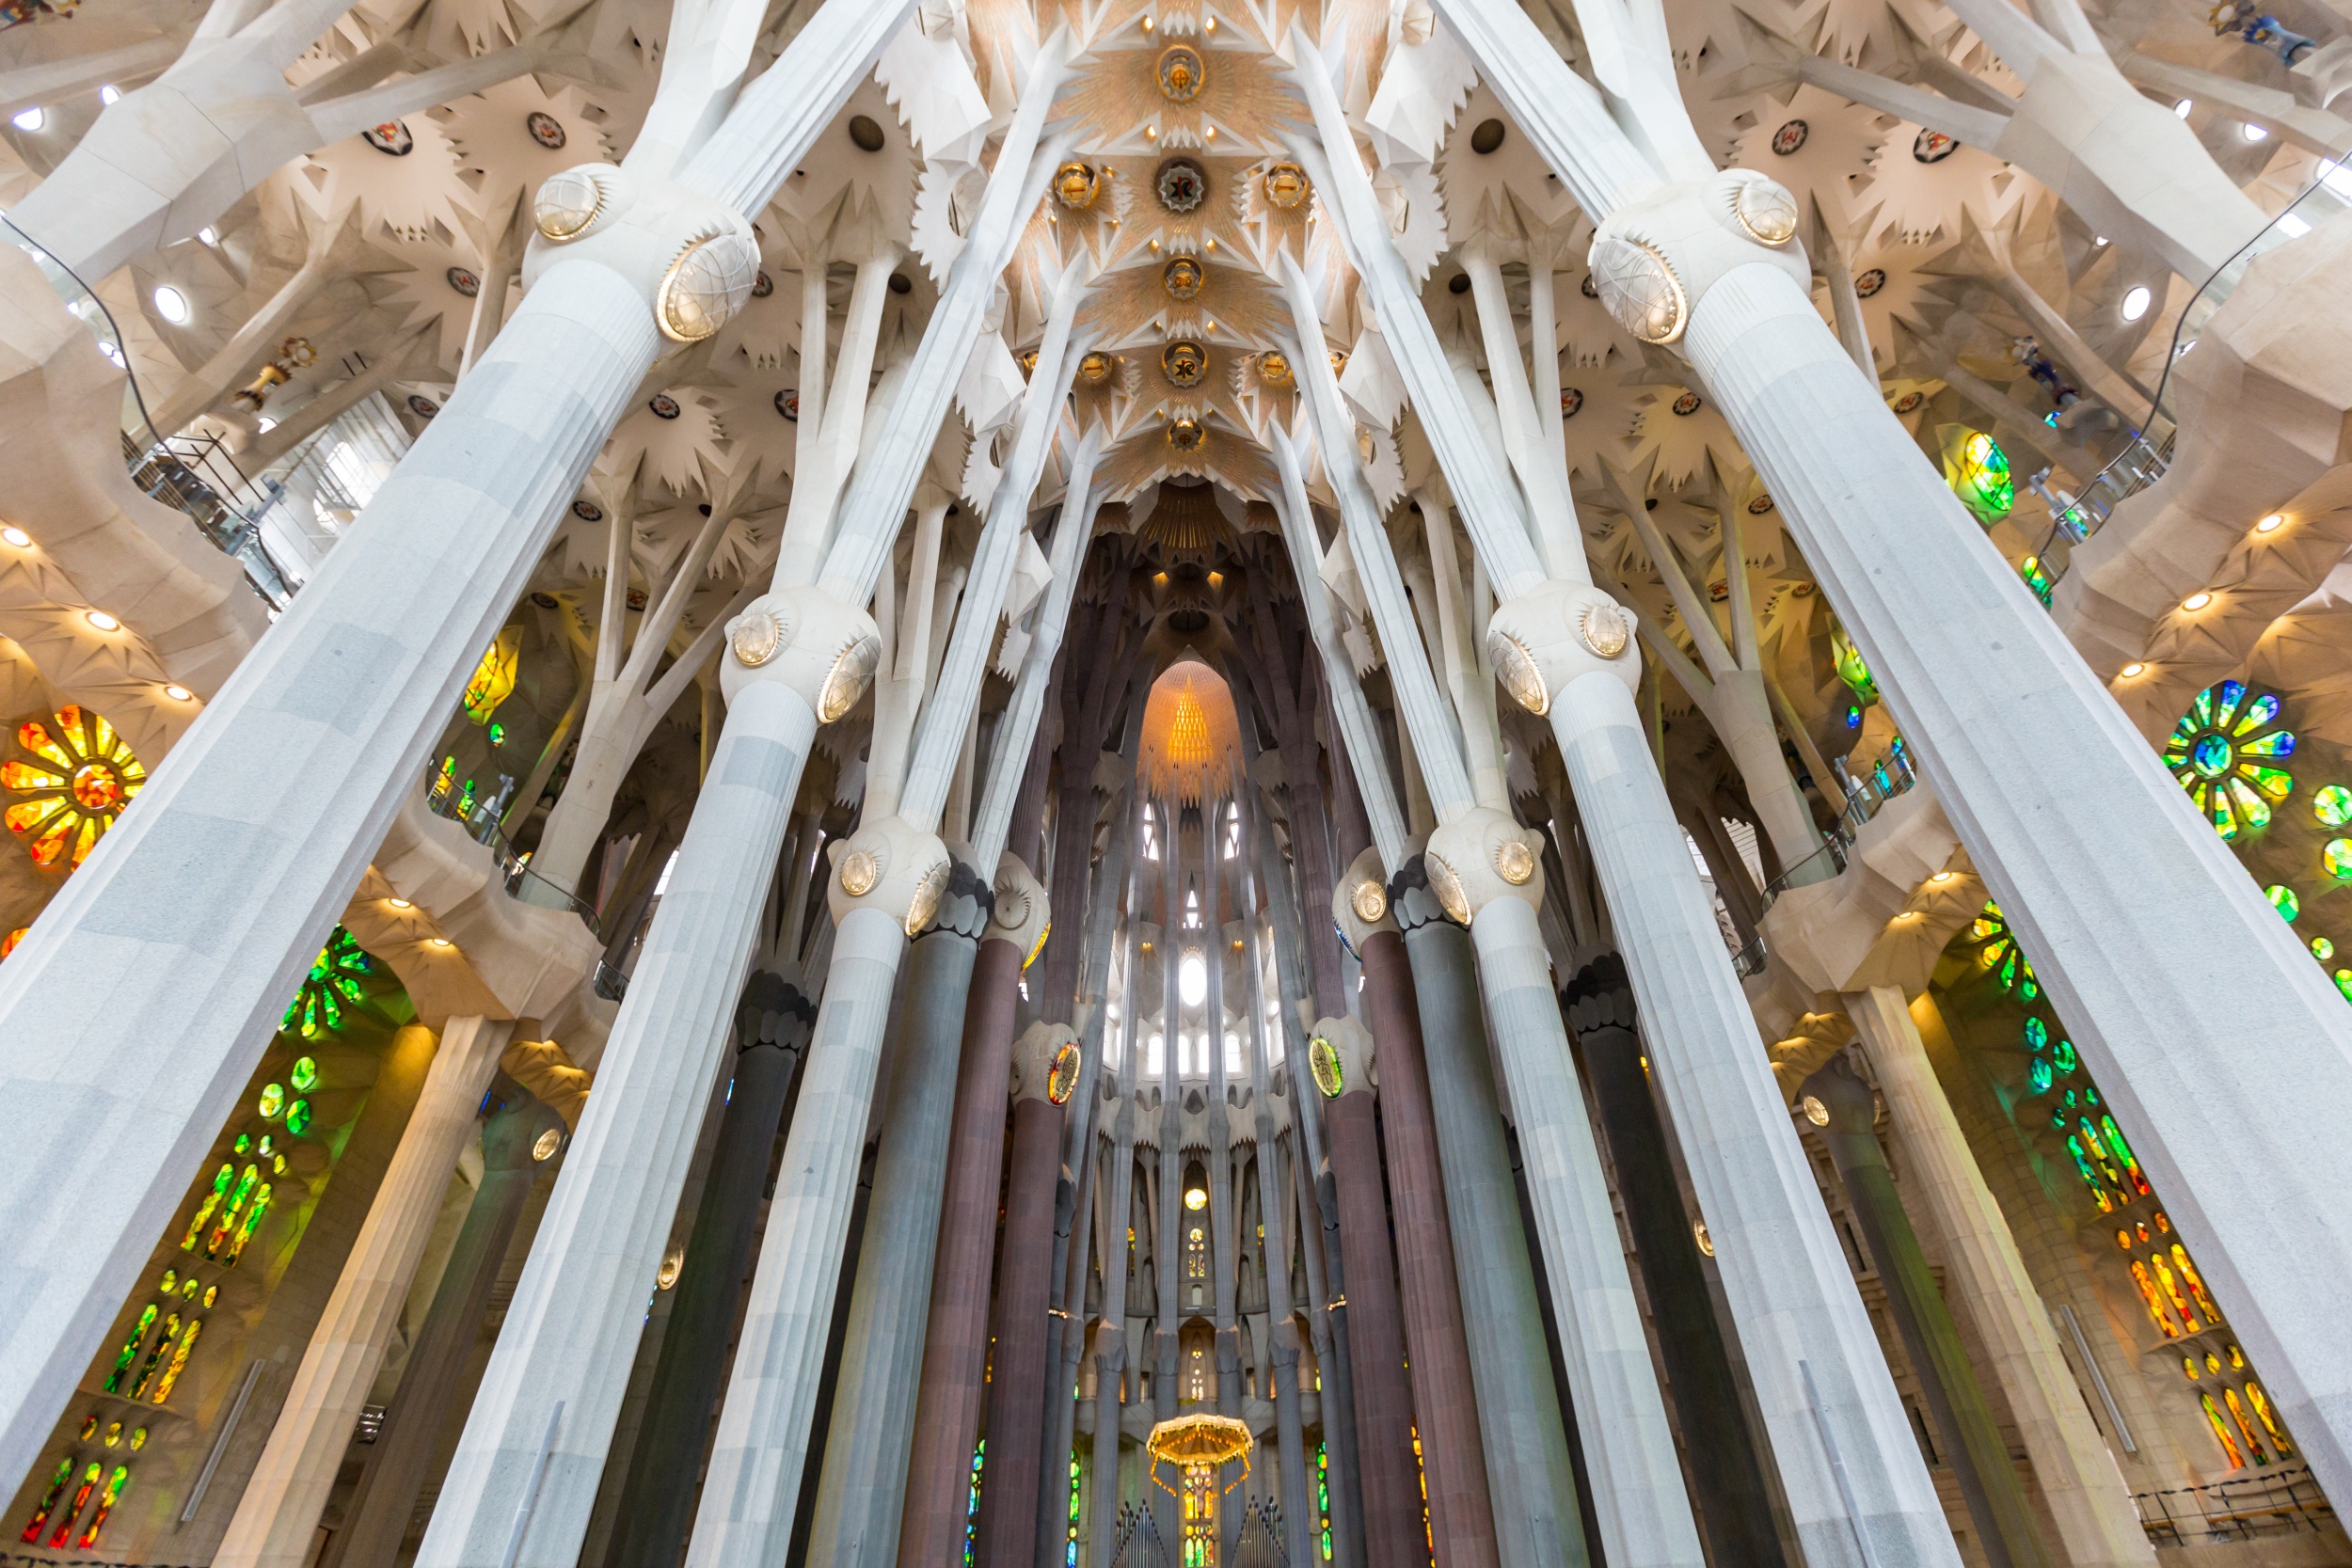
pixel 2228 1444
pixel 73 779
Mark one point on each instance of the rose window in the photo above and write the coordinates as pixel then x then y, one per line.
pixel 81 776
pixel 2223 751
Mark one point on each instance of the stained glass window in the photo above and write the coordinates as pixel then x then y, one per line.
pixel 1070 1556
pixel 2283 899
pixel 1998 951
pixel 1323 1488
pixel 1199 1516
pixel 80 776
pixel 2223 751
pixel 73 1510
pixel 2332 806
pixel 1978 471
pixel 334 979
pixel 115 1483
pixel 48 1504
pixel 972 1503
pixel 493 679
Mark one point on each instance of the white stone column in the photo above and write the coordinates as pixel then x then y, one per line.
pixel 276 1522
pixel 2090 1503
pixel 1644 1510
pixel 195 917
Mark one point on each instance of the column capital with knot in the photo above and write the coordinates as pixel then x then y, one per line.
pixel 693 258
pixel 1045 1062
pixel 1654 258
pixel 1481 856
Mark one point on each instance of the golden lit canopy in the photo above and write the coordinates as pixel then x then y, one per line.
pixel 1191 736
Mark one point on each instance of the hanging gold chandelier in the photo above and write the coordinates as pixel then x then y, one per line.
pixel 1200 1440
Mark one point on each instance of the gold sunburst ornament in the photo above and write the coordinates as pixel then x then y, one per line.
pixel 1181 73
pixel 1274 369
pixel 1286 186
pixel 1183 277
pixel 1075 184
pixel 1185 435
pixel 1095 367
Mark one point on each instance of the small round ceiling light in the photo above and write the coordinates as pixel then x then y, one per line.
pixel 399 903
pixel 179 693
pixel 172 305
pixel 103 621
pixel 2197 601
pixel 2271 524
pixel 2135 301
pixel 17 537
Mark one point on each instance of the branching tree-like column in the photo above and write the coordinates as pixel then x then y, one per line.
pixel 196 916
pixel 2135 912
pixel 1564 650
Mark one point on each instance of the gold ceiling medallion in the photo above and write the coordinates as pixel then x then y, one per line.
pixel 1095 367
pixel 1182 185
pixel 1183 277
pixel 1274 369
pixel 1184 361
pixel 1286 186
pixel 1185 435
pixel 1180 73
pixel 1075 184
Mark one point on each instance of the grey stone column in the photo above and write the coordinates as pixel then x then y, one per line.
pixel 1529 1477
pixel 394 1467
pixel 863 1490
pixel 1169 1220
pixel 772 1031
pixel 1734 1504
pixel 1110 1338
pixel 1980 1457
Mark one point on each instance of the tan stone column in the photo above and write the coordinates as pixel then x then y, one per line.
pixel 276 1522
pixel 2096 1524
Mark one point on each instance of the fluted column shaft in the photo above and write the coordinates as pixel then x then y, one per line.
pixel 1384 1404
pixel 955 1345
pixel 278 1518
pixel 1445 1403
pixel 658 1509
pixel 1974 1445
pixel 1734 1506
pixel 1530 1482
pixel 2097 1525
pixel 1010 1481
pixel 861 1494
pixel 395 1466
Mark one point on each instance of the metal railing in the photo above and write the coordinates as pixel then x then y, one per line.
pixel 2281 1502
pixel 522 884
pixel 199 476
pixel 2074 518
pixel 1890 776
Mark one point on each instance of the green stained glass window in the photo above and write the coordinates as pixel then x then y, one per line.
pixel 2221 751
pixel 2332 806
pixel 2323 949
pixel 2038 1073
pixel 2283 899
pixel 304 1075
pixel 2037 1034
pixel 272 1102
pixel 334 980
pixel 298 1116
pixel 2336 858
pixel 2063 1058
pixel 245 1142
pixel 2343 983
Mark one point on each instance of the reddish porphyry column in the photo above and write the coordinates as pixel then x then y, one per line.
pixel 955 1345
pixel 1453 1461
pixel 1384 1402
pixel 1016 1414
